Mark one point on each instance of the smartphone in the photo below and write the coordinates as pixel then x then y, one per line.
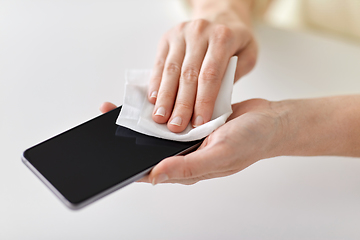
pixel 96 158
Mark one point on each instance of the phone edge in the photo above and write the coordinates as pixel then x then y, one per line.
pixel 106 192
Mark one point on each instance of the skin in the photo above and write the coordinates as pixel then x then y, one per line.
pixel 192 58
pixel 191 62
pixel 260 129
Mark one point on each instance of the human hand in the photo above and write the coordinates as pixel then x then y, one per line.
pixel 191 62
pixel 260 129
pixel 248 136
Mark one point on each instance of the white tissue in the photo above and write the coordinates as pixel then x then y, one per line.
pixel 136 112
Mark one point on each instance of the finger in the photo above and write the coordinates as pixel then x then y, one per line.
pixel 195 164
pixel 211 75
pixel 204 143
pixel 107 106
pixel 169 82
pixel 157 70
pixel 246 60
pixel 185 99
pixel 189 181
pixel 144 179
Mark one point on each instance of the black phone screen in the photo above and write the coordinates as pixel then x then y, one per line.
pixel 97 155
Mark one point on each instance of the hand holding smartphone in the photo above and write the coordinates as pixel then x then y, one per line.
pixel 96 158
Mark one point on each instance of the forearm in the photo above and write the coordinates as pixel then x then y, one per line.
pixel 322 126
pixel 222 10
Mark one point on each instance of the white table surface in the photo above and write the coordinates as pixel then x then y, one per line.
pixel 59 60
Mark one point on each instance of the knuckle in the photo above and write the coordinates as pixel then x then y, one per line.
pixel 180 27
pixel 183 105
pixel 166 95
pixel 190 75
pixel 222 34
pixel 187 171
pixel 159 63
pixel 173 68
pixel 210 74
pixel 205 101
pixel 199 25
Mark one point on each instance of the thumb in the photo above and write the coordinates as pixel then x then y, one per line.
pixel 180 168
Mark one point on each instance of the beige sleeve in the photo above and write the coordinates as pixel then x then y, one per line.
pixel 260 7
pixel 335 16
pixel 338 16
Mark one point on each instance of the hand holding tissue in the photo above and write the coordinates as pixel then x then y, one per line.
pixel 136 112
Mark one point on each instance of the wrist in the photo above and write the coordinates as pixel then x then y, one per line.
pixel 320 126
pixel 279 122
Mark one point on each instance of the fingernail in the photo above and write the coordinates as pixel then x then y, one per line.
pixel 160 111
pixel 154 94
pixel 176 121
pixel 160 178
pixel 198 121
